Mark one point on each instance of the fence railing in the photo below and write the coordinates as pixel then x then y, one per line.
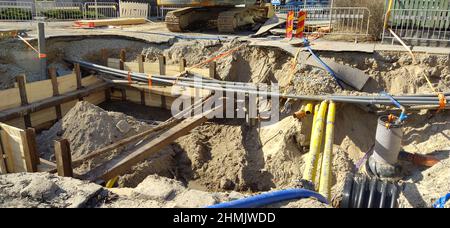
pixel 163 10
pixel 52 10
pixel 93 10
pixel 134 9
pixel 417 25
pixel 59 10
pixel 339 20
pixel 16 11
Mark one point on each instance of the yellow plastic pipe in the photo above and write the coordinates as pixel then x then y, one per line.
pixel 388 13
pixel 309 108
pixel 310 171
pixel 327 159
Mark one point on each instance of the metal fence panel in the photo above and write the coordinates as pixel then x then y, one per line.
pixel 16 11
pixel 418 25
pixel 101 10
pixel 340 20
pixel 134 9
pixel 59 10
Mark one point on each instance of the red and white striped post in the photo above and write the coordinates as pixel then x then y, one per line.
pixel 300 24
pixel 290 24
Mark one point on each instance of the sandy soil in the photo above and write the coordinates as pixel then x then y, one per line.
pixel 230 156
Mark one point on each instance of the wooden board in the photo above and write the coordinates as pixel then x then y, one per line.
pixel 117 167
pixel 111 22
pixel 13 145
pixel 46 166
pixel 41 90
pixel 153 68
pixel 3 169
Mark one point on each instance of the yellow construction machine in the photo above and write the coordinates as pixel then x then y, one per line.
pixel 227 15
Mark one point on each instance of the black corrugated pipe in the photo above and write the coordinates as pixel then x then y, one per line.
pixel 364 192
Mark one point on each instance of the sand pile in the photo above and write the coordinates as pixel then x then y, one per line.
pixel 396 73
pixel 88 127
pixel 161 192
pixel 228 156
pixel 43 190
pixel 194 51
pixel 422 189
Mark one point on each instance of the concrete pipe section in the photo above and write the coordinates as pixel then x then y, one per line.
pixel 388 143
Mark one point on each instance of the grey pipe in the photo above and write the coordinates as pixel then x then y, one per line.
pixel 348 99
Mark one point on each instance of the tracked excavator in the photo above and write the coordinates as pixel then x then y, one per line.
pixel 228 16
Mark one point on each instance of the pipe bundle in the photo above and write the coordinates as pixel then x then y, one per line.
pixel 250 88
pixel 318 164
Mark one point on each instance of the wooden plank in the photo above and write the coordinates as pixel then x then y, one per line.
pixel 29 150
pixel 54 80
pixel 3 169
pixel 115 167
pixel 11 98
pixel 13 144
pixel 162 65
pixel 110 22
pixel 63 158
pixel 52 101
pixel 7 151
pixel 32 145
pixel 141 60
pixel 213 70
pixel 122 59
pixel 23 97
pixel 37 91
pixel 46 166
pixel 104 55
pixel 182 65
pixel 153 68
pixel 77 71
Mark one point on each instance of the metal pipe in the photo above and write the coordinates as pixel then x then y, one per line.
pixel 345 99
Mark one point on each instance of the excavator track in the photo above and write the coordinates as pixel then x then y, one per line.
pixel 230 21
pixel 177 20
pixel 227 21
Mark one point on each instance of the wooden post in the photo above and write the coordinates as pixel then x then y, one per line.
pixel 108 94
pixel 212 69
pixel 77 71
pixel 63 158
pixel 3 169
pixel 123 58
pixel 54 80
pixel 124 94
pixel 23 97
pixel 104 55
pixel 28 138
pixel 42 50
pixel 78 75
pixel 141 61
pixel 163 102
pixel 142 98
pixel 162 65
pixel 182 65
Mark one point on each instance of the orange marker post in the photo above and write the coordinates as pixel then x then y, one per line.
pixel 290 24
pixel 300 24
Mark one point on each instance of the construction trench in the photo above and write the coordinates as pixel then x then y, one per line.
pixel 202 161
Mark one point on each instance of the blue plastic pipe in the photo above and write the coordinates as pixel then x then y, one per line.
pixel 338 81
pixel 403 115
pixel 271 198
pixel 440 203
